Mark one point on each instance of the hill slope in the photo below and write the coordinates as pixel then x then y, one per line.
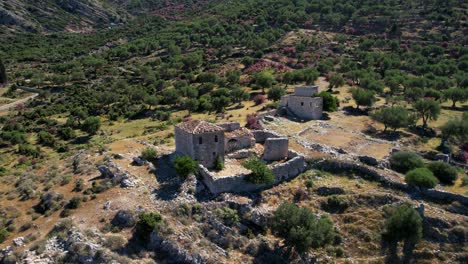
pixel 57 15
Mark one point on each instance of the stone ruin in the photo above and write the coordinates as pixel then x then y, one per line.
pixel 206 142
pixel 303 104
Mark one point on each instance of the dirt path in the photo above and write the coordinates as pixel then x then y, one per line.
pixel 14 104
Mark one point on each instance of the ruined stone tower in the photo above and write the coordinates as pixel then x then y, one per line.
pixel 302 104
pixel 202 141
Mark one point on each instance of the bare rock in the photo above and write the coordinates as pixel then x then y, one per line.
pixel 124 219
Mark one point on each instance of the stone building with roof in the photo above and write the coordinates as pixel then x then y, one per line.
pixel 202 141
pixel 302 104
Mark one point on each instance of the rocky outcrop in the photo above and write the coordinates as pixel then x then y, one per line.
pixel 124 219
pixel 176 253
pixel 118 176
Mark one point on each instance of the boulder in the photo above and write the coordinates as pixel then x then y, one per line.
pixel 124 219
pixel 139 161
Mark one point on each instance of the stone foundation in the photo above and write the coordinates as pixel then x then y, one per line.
pixel 236 183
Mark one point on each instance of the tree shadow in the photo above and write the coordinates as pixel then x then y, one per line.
pixel 462 108
pixel 81 140
pixel 423 131
pixel 352 111
pixel 388 135
pixel 169 183
pixel 267 255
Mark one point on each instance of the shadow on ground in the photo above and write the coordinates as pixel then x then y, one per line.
pixel 169 183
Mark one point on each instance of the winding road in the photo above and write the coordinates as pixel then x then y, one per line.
pixel 20 101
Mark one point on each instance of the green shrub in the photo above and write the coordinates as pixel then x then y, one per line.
pixel 309 183
pixel 465 180
pixel 261 174
pixel 149 154
pixel 67 133
pixel 229 216
pixel 405 161
pixel 330 102
pixel 29 150
pixel 443 171
pixel 74 203
pixel 147 222
pixel 91 125
pixel 184 165
pixel 219 164
pixel 301 228
pixel 336 203
pixel 46 139
pixel 421 177
pixel 3 234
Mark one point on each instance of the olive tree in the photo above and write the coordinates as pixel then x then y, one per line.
pixel 393 117
pixel 403 224
pixel 427 110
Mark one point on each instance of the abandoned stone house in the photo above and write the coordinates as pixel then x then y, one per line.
pixel 205 142
pixel 302 104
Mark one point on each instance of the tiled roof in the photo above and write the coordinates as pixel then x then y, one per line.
pixel 198 127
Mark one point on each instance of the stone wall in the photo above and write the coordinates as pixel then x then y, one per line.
pixel 236 183
pixel 262 135
pixel 183 142
pixel 307 108
pixel 276 149
pixel 370 173
pixel 307 91
pixel 207 147
pixel 239 139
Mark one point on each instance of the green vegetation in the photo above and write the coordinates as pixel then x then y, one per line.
pixel 405 161
pixel 363 97
pixel 403 224
pixel 393 117
pixel 427 110
pixel 91 125
pixel 330 102
pixel 184 165
pixel 147 222
pixel 3 234
pixel 301 228
pixel 261 174
pixel 149 154
pixel 219 164
pixel 456 130
pixel 421 177
pixel 444 172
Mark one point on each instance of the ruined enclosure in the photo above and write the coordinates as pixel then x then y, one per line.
pixel 235 145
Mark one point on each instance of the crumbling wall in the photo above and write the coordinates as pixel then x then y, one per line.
pixel 236 183
pixel 307 91
pixel 370 173
pixel 262 135
pixel 276 149
pixel 239 139
pixel 183 142
pixel 229 126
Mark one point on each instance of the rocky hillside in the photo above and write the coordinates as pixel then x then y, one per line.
pixel 57 15
pixel 83 15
